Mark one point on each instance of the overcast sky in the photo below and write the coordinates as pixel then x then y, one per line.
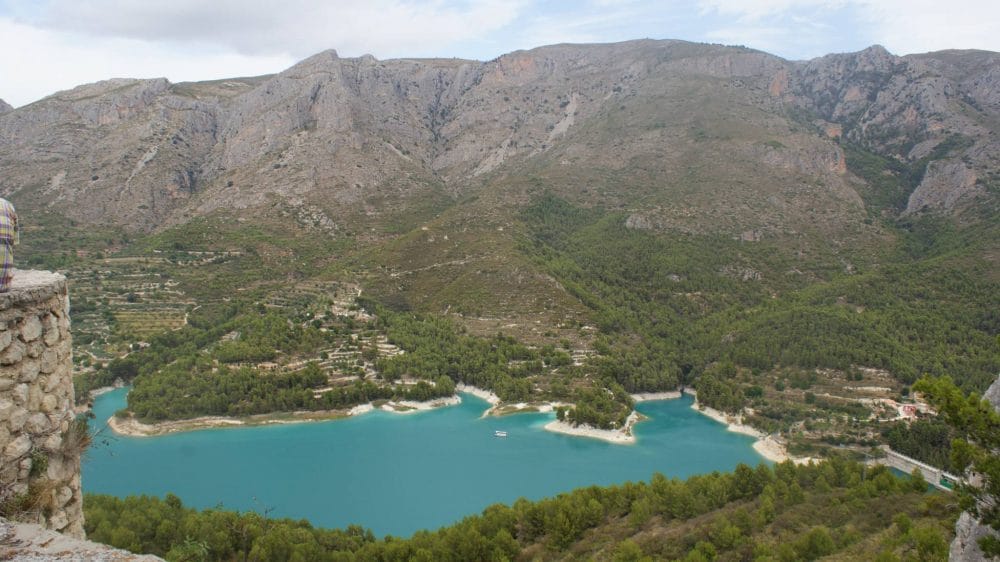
pixel 51 45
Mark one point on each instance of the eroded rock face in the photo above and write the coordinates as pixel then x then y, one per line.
pixel 5 107
pixel 934 110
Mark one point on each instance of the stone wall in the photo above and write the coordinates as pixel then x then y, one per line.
pixel 40 444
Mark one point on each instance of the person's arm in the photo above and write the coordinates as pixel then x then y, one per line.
pixel 17 227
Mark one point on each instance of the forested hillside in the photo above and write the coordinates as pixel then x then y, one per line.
pixel 833 509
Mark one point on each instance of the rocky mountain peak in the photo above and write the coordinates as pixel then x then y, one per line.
pixel 5 107
pixel 343 129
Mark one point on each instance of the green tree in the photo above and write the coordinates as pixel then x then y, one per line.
pixel 977 448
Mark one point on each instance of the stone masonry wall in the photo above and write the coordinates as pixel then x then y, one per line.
pixel 40 445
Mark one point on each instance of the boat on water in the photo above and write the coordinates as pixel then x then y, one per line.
pixel 499 433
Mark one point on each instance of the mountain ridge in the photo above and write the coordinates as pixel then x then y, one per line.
pixel 159 153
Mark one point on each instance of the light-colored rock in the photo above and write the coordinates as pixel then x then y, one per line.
pixel 18 417
pixel 49 361
pixel 17 448
pixel 6 408
pixel 53 443
pixel 20 394
pixel 37 423
pixel 51 324
pixel 13 353
pixel 31 329
pixel 49 403
pixel 28 542
pixel 34 349
pixel 29 371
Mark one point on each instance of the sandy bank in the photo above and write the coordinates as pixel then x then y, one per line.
pixel 621 436
pixel 410 406
pixel 733 423
pixel 132 427
pixel 770 447
pixel 651 396
pixel 486 395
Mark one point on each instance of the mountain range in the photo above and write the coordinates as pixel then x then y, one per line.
pixel 689 136
pixel 417 178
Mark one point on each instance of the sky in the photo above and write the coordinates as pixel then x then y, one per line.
pixel 52 45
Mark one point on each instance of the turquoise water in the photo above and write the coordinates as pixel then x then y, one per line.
pixel 395 473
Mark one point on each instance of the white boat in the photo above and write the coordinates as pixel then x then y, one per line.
pixel 499 433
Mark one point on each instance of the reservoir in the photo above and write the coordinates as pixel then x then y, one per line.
pixel 398 473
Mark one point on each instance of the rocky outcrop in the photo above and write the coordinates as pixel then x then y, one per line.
pixel 34 543
pixel 936 111
pixel 992 394
pixel 40 443
pixel 968 530
pixel 5 107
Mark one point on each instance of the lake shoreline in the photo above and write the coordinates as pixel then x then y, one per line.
pixel 131 427
pixel 767 445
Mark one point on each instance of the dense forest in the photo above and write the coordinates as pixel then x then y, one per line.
pixel 784 513
pixel 671 309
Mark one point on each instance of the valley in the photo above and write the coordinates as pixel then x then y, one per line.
pixel 568 227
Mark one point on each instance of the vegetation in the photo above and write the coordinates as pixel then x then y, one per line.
pixel 785 513
pixel 976 450
pixel 927 440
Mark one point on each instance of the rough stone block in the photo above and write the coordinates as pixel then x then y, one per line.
pixel 49 382
pixel 49 403
pixel 31 329
pixel 64 495
pixel 49 361
pixel 8 473
pixel 58 521
pixel 51 334
pixel 29 370
pixel 37 423
pixel 5 436
pixel 20 393
pixel 53 443
pixel 6 408
pixel 34 349
pixel 34 398
pixel 16 449
pixel 5 338
pixel 6 381
pixel 13 353
pixel 17 419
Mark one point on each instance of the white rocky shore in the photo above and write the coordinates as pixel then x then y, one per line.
pixel 132 427
pixel 622 436
pixel 768 446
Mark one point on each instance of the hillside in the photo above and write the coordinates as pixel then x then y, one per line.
pixel 802 239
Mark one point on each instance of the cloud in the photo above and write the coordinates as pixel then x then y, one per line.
pixel 384 28
pixel 79 41
pixel 902 26
pixel 918 26
pixel 59 61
